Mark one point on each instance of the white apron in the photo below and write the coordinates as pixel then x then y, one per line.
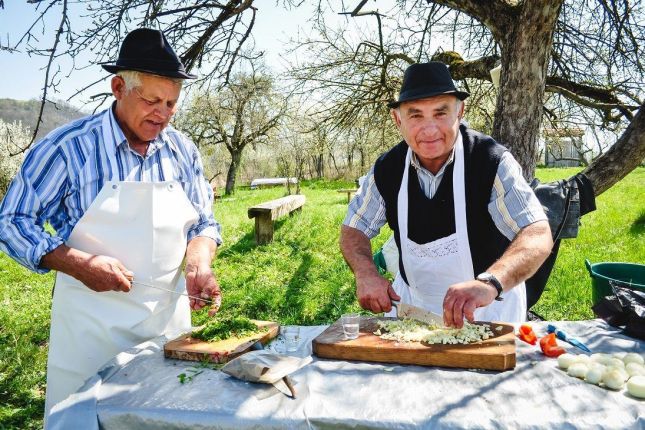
pixel 432 267
pixel 144 225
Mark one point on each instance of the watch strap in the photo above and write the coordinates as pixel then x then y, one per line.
pixel 492 280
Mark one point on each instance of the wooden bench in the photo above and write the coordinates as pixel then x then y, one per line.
pixel 349 192
pixel 265 213
pixel 268 182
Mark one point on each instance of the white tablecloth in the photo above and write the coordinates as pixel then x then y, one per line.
pixel 139 389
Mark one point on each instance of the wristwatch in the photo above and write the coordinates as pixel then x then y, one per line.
pixel 489 278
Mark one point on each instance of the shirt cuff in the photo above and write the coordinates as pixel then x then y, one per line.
pixel 212 232
pixel 37 253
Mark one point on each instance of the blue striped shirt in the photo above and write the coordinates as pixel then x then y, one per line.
pixel 512 204
pixel 63 173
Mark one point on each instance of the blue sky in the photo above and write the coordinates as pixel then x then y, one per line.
pixel 22 77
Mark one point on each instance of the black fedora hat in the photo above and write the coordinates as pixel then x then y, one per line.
pixel 147 50
pixel 423 80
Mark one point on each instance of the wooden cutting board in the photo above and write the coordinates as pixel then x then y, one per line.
pixel 497 353
pixel 186 348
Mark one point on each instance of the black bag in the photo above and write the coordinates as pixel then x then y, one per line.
pixel 564 202
pixel 624 309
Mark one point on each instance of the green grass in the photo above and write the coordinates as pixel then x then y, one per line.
pixel 301 278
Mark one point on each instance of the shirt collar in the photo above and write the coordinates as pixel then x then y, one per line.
pixel 114 136
pixel 417 164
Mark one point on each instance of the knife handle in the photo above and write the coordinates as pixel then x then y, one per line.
pixel 558 333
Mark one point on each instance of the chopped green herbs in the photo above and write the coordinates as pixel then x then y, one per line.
pixel 225 327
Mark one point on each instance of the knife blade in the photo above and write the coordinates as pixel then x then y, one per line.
pixel 142 284
pixel 404 310
pixel 563 336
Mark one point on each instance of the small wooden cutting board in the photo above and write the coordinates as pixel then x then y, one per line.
pixel 186 348
pixel 496 353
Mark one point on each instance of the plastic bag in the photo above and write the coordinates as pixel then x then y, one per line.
pixel 266 367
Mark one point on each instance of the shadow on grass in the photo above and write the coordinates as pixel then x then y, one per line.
pixel 294 295
pixel 21 409
pixel 638 227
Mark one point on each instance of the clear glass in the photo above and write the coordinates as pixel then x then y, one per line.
pixel 351 324
pixel 291 336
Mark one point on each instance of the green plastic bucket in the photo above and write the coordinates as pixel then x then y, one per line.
pixel 601 273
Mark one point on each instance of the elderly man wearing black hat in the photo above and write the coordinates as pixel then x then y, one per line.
pixel 127 197
pixel 468 228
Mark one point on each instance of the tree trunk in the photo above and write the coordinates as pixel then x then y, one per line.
pixel 526 48
pixel 623 157
pixel 320 165
pixel 236 160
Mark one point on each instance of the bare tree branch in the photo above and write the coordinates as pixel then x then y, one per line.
pixel 59 32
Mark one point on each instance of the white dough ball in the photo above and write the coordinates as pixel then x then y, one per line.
pixel 636 386
pixel 577 370
pixel 565 360
pixel 594 374
pixel 632 357
pixel 613 379
pixel 634 369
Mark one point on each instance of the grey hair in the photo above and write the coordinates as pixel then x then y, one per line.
pixel 132 78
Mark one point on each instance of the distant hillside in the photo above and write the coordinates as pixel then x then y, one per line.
pixel 54 115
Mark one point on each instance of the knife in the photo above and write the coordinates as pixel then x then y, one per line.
pixel 142 284
pixel 409 311
pixel 563 336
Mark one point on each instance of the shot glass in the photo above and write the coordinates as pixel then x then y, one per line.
pixel 350 325
pixel 291 336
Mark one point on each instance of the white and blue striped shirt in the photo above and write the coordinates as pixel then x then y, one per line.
pixel 512 204
pixel 63 173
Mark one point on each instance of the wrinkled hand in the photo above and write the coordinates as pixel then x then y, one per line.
pixel 375 293
pixel 200 282
pixel 101 273
pixel 463 298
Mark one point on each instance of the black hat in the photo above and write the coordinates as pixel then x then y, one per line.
pixel 147 50
pixel 425 80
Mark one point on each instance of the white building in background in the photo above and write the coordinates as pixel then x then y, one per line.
pixel 564 148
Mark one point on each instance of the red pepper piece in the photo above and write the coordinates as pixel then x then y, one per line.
pixel 550 347
pixel 527 334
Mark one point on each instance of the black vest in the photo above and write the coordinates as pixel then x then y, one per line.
pixel 431 219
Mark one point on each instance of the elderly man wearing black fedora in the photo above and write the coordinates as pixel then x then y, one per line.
pixel 126 195
pixel 468 227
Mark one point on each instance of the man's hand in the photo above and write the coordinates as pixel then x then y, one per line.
pixel 98 272
pixel 522 258
pixel 375 293
pixel 200 282
pixel 102 273
pixel 463 298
